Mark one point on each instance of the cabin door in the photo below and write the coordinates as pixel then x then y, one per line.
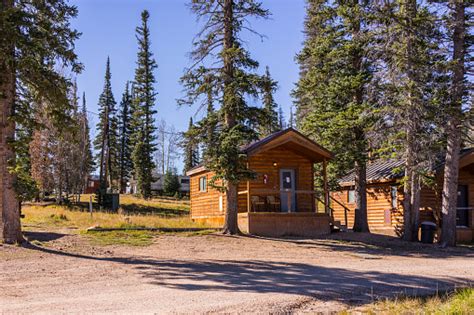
pixel 287 190
pixel 462 213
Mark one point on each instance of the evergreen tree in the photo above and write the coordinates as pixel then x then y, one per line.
pixel 234 79
pixel 106 141
pixel 461 61
pixel 87 161
pixel 191 154
pixel 413 90
pixel 36 39
pixel 125 162
pixel 171 183
pixel 281 119
pixel 269 121
pixel 143 122
pixel 332 96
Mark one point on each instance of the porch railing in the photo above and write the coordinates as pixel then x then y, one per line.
pixel 269 200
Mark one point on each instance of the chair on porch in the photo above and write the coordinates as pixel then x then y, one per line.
pixel 257 204
pixel 273 203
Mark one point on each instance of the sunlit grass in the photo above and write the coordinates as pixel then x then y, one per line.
pixel 132 238
pixel 459 302
pixel 59 216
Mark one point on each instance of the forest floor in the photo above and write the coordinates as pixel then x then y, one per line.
pixel 63 271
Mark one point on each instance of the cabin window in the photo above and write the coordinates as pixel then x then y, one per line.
pixel 393 195
pixel 351 196
pixel 203 184
pixel 184 180
pixel 91 184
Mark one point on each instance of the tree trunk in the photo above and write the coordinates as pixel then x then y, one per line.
pixel 231 215
pixel 411 187
pixel 451 167
pixel 10 227
pixel 360 220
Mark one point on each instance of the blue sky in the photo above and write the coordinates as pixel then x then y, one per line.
pixel 108 29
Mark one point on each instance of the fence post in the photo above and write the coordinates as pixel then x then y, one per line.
pixel 90 205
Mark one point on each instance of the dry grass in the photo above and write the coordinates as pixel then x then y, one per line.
pixel 160 213
pixel 459 302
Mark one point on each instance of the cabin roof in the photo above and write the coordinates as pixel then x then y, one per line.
pixel 380 170
pixel 387 170
pixel 290 139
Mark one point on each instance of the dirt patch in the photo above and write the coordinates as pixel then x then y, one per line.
pixel 61 272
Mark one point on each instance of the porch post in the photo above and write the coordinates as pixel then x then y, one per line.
pixel 326 192
pixel 248 196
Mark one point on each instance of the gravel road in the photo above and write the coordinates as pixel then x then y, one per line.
pixel 221 274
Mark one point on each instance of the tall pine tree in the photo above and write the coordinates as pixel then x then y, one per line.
pixel 461 60
pixel 36 39
pixel 125 131
pixel 143 121
pixel 106 141
pixel 219 44
pixel 332 99
pixel 87 160
pixel 409 38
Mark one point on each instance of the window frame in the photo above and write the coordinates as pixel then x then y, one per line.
pixel 203 184
pixel 349 192
pixel 394 199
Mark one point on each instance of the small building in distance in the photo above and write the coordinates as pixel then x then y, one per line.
pixel 93 184
pixel 385 197
pixel 281 200
pixel 158 182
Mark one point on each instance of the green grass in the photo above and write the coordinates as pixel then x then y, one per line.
pixel 459 302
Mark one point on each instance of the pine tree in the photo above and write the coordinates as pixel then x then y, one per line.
pixel 125 162
pixel 458 90
pixel 87 160
pixel 281 119
pixel 413 89
pixel 332 97
pixel 106 141
pixel 234 79
pixel 143 121
pixel 190 146
pixel 269 121
pixel 35 40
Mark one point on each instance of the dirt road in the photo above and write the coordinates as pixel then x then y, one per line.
pixel 214 274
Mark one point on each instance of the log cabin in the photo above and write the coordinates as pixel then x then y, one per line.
pixel 280 200
pixel 385 197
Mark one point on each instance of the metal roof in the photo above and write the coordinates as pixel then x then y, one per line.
pixel 377 171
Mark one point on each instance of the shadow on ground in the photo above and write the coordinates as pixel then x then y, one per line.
pixel 42 236
pixel 374 244
pixel 319 282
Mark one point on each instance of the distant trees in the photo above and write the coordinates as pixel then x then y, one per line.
pixel 190 147
pixel 143 122
pixel 233 76
pixel 171 184
pixel 269 121
pixel 35 40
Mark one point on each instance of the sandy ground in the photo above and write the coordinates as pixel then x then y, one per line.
pixel 221 274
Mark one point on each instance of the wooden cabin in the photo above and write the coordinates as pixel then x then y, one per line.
pixel 385 197
pixel 281 200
